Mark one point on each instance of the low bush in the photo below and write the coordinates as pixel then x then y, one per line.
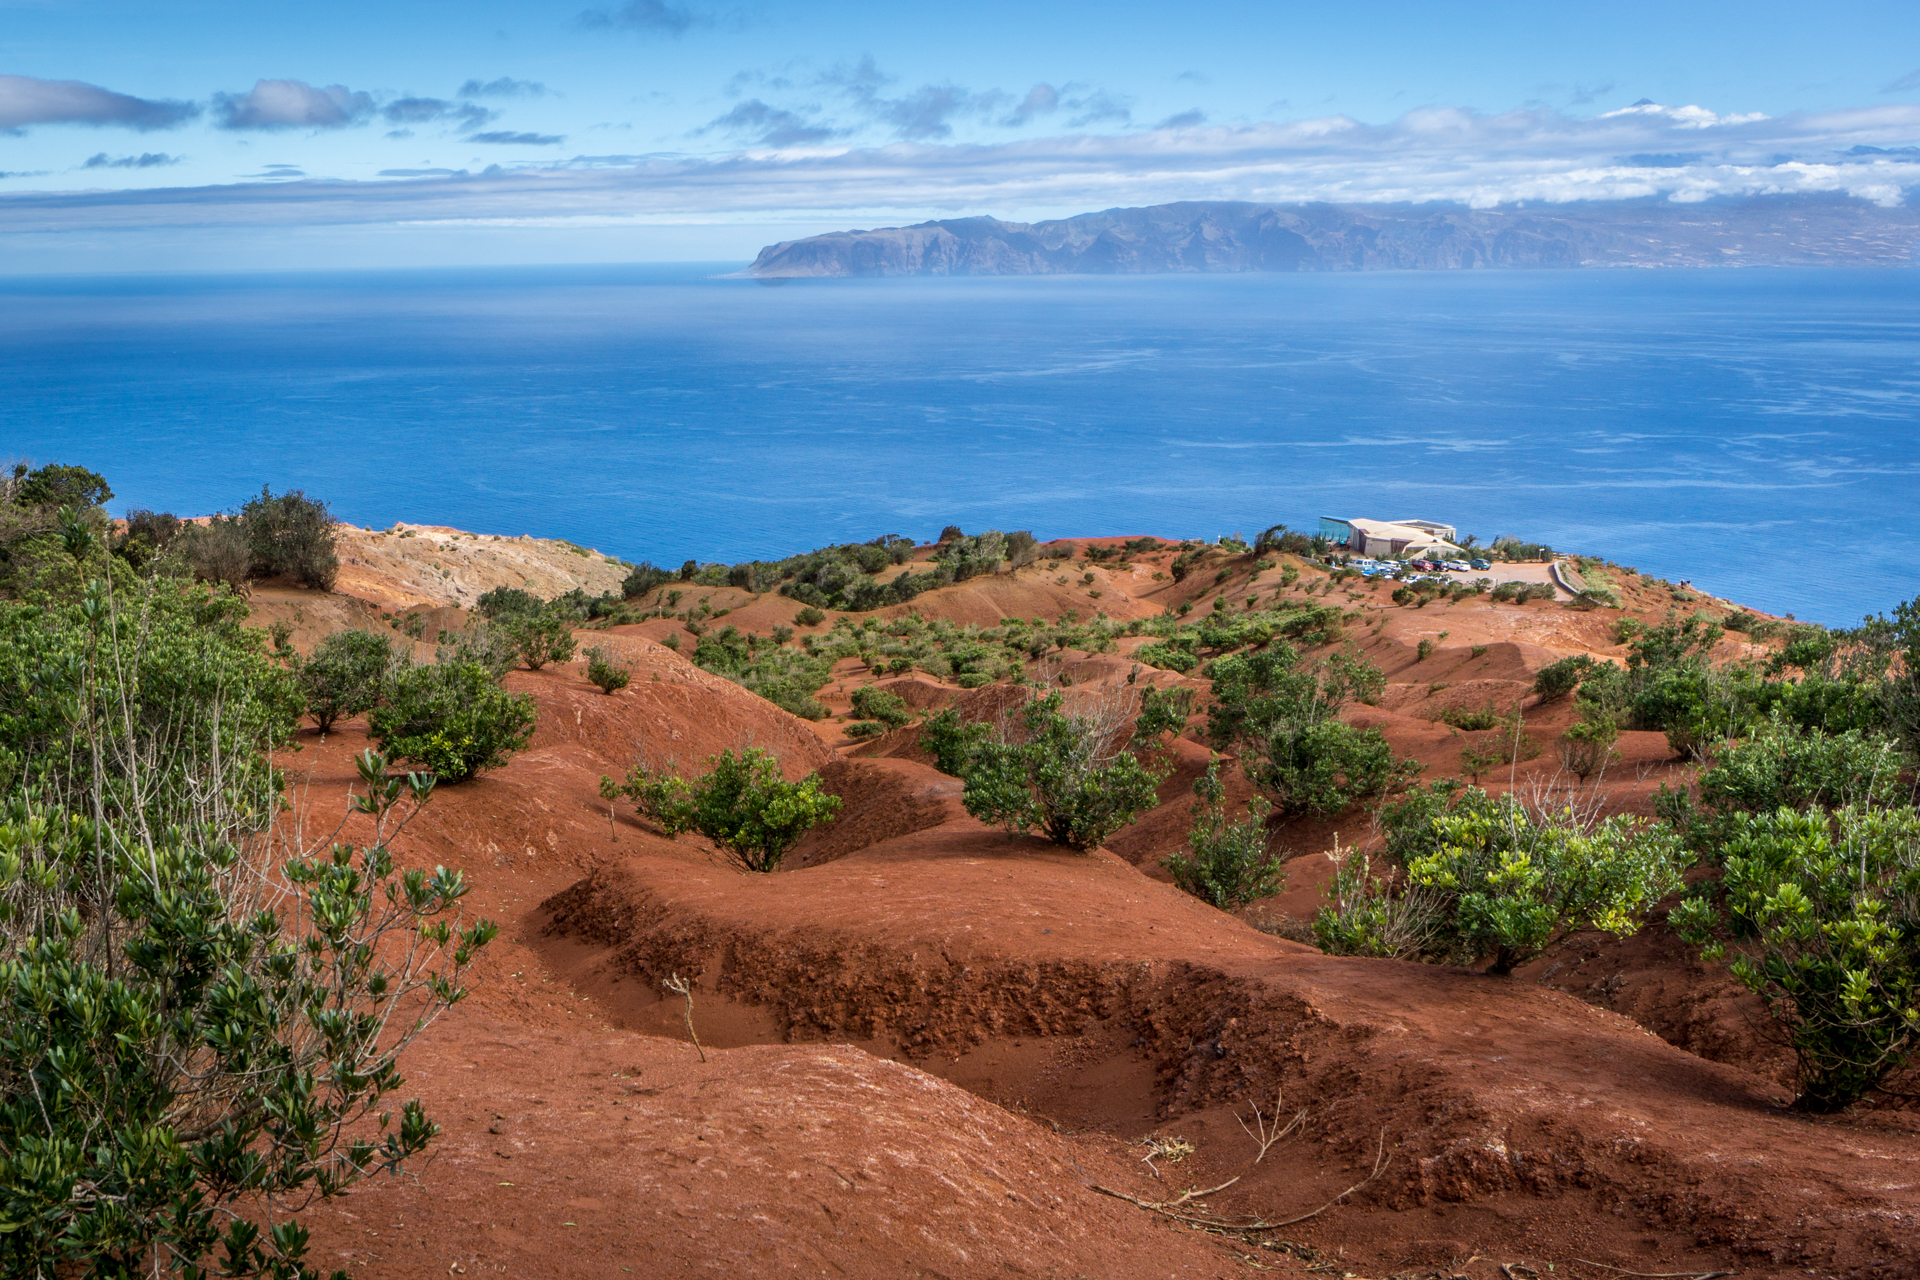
pixel 873 703
pixel 1586 748
pixel 1488 879
pixel 742 804
pixel 452 720
pixel 605 672
pixel 345 676
pixel 810 617
pixel 1066 778
pixel 1558 679
pixel 542 635
pixel 863 729
pixel 1820 914
pixel 1225 863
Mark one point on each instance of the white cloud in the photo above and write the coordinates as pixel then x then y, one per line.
pixel 25 101
pixel 1683 154
pixel 291 104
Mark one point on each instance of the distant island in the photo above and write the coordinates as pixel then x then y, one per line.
pixel 1195 236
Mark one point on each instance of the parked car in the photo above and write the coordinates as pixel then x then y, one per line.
pixel 1456 566
pixel 1482 564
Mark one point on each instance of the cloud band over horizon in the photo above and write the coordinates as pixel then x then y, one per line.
pixel 1429 155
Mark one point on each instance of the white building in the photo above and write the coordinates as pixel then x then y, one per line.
pixel 1412 539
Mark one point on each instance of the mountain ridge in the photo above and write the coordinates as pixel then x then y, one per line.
pixel 1237 236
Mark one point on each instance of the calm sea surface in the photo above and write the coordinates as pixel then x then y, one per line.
pixel 1755 431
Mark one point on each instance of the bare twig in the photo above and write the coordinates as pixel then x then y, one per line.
pixel 1658 1275
pixel 1266 1130
pixel 1379 1163
pixel 681 987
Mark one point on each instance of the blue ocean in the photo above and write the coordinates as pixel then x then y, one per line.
pixel 1753 431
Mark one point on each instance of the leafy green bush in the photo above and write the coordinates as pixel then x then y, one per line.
pixel 1586 748
pixel 452 719
pixel 541 636
pixel 1169 655
pixel 1825 913
pixel 58 485
pixel 1163 711
pixel 874 703
pixel 644 578
pixel 809 617
pixel 191 1005
pixel 741 804
pixel 1281 717
pixel 291 535
pixel 501 601
pixel 863 729
pixel 603 671
pixel 953 741
pixel 1558 679
pixel 1226 863
pixel 1066 779
pixel 345 676
pixel 1499 882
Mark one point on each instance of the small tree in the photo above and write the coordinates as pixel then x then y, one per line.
pixel 953 741
pixel 1821 917
pixel 452 720
pixel 1226 863
pixel 603 671
pixel 1065 779
pixel 291 535
pixel 741 804
pixel 345 676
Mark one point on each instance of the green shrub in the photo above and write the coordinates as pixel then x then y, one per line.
pixel 1226 863
pixel 874 703
pixel 501 601
pixel 1558 679
pixel 345 676
pixel 177 974
pixel 541 636
pixel 1281 718
pixel 1168 656
pixel 58 485
pixel 953 741
pixel 603 671
pixel 973 680
pixel 1825 910
pixel 644 578
pixel 217 551
pixel 1163 711
pixel 452 719
pixel 1065 780
pixel 1492 880
pixel 809 617
pixel 863 729
pixel 1423 650
pixel 741 804
pixel 1586 748
pixel 291 536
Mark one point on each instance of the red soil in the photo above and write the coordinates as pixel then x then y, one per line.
pixel 927 1044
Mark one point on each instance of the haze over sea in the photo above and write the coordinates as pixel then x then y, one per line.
pixel 1753 431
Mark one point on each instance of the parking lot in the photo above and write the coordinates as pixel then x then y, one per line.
pixel 1497 572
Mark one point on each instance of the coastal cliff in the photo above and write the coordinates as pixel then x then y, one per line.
pixel 1219 236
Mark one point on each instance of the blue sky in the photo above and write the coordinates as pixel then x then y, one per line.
pixel 211 133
